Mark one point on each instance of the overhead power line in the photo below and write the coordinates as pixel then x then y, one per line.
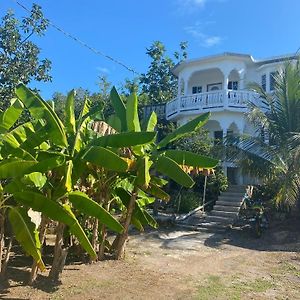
pixel 82 43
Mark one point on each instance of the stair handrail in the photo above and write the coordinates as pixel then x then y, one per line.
pixel 182 218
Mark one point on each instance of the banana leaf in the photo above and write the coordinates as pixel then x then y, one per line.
pixel 105 158
pixel 26 234
pixel 126 139
pixel 15 167
pixel 143 168
pixel 140 216
pixel 89 207
pixel 47 164
pixel 69 112
pixel 157 192
pixel 18 135
pixel 152 122
pixel 184 130
pixel 132 117
pixel 119 107
pixel 40 109
pixel 169 167
pixel 10 115
pixel 56 212
pixel 191 159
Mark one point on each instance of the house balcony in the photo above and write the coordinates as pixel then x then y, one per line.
pixel 220 100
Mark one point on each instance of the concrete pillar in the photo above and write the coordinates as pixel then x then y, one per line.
pixel 181 83
pixel 226 80
pixel 179 86
pixel 225 87
pixel 186 86
pixel 224 127
pixel 242 79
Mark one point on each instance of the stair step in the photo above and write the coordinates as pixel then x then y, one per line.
pixel 224 220
pixel 220 213
pixel 227 208
pixel 223 214
pixel 232 194
pixel 225 198
pixel 229 203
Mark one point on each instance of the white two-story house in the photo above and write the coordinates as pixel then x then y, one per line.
pixel 218 84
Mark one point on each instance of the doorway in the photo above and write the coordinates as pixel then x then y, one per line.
pixel 214 87
pixel 232 175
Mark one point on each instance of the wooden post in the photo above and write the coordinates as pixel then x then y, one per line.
pixel 204 193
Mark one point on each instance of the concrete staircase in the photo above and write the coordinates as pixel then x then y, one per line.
pixel 223 215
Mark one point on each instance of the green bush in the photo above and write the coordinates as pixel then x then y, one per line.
pixel 189 200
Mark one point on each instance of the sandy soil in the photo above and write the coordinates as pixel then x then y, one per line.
pixel 175 264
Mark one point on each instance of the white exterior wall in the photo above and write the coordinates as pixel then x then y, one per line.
pixel 224 119
pixel 224 68
pixel 203 78
pixel 224 115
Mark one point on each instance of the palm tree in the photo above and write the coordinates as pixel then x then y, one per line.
pixel 273 154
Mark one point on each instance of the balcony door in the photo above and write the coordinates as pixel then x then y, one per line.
pixel 214 87
pixel 233 85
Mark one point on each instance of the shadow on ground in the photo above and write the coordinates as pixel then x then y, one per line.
pixel 280 236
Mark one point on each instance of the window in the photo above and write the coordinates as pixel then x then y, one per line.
pixel 218 135
pixel 233 85
pixel 196 89
pixel 273 76
pixel 264 82
pixel 214 87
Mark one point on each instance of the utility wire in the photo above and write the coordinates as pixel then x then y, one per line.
pixel 82 43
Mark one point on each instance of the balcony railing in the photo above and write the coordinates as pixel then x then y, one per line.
pixel 214 100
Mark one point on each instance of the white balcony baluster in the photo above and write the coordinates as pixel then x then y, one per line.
pixel 209 101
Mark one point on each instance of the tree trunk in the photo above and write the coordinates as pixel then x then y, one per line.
pixel 60 254
pixel 1 237
pixel 103 234
pixel 6 259
pixel 95 237
pixel 122 238
pixel 42 235
pixel 102 244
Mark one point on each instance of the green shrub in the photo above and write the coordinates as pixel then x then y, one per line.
pixel 189 200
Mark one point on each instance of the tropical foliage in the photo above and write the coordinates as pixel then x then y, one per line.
pixel 273 154
pixel 159 83
pixel 79 173
pixel 19 55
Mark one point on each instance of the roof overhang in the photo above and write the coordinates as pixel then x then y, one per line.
pixel 211 58
pixel 229 55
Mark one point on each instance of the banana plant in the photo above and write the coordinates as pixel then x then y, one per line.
pixel 150 159
pixel 25 230
pixel 61 154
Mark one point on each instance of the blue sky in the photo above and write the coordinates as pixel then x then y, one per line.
pixel 123 30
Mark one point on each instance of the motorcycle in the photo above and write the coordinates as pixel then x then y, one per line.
pixel 256 216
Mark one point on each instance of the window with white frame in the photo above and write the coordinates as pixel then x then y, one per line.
pixel 233 85
pixel 264 82
pixel 196 89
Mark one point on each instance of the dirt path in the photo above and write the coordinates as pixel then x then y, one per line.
pixel 175 264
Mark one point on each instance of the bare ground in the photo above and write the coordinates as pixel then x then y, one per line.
pixel 175 264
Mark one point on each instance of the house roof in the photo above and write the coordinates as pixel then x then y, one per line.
pixel 209 58
pixel 246 57
pixel 276 59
